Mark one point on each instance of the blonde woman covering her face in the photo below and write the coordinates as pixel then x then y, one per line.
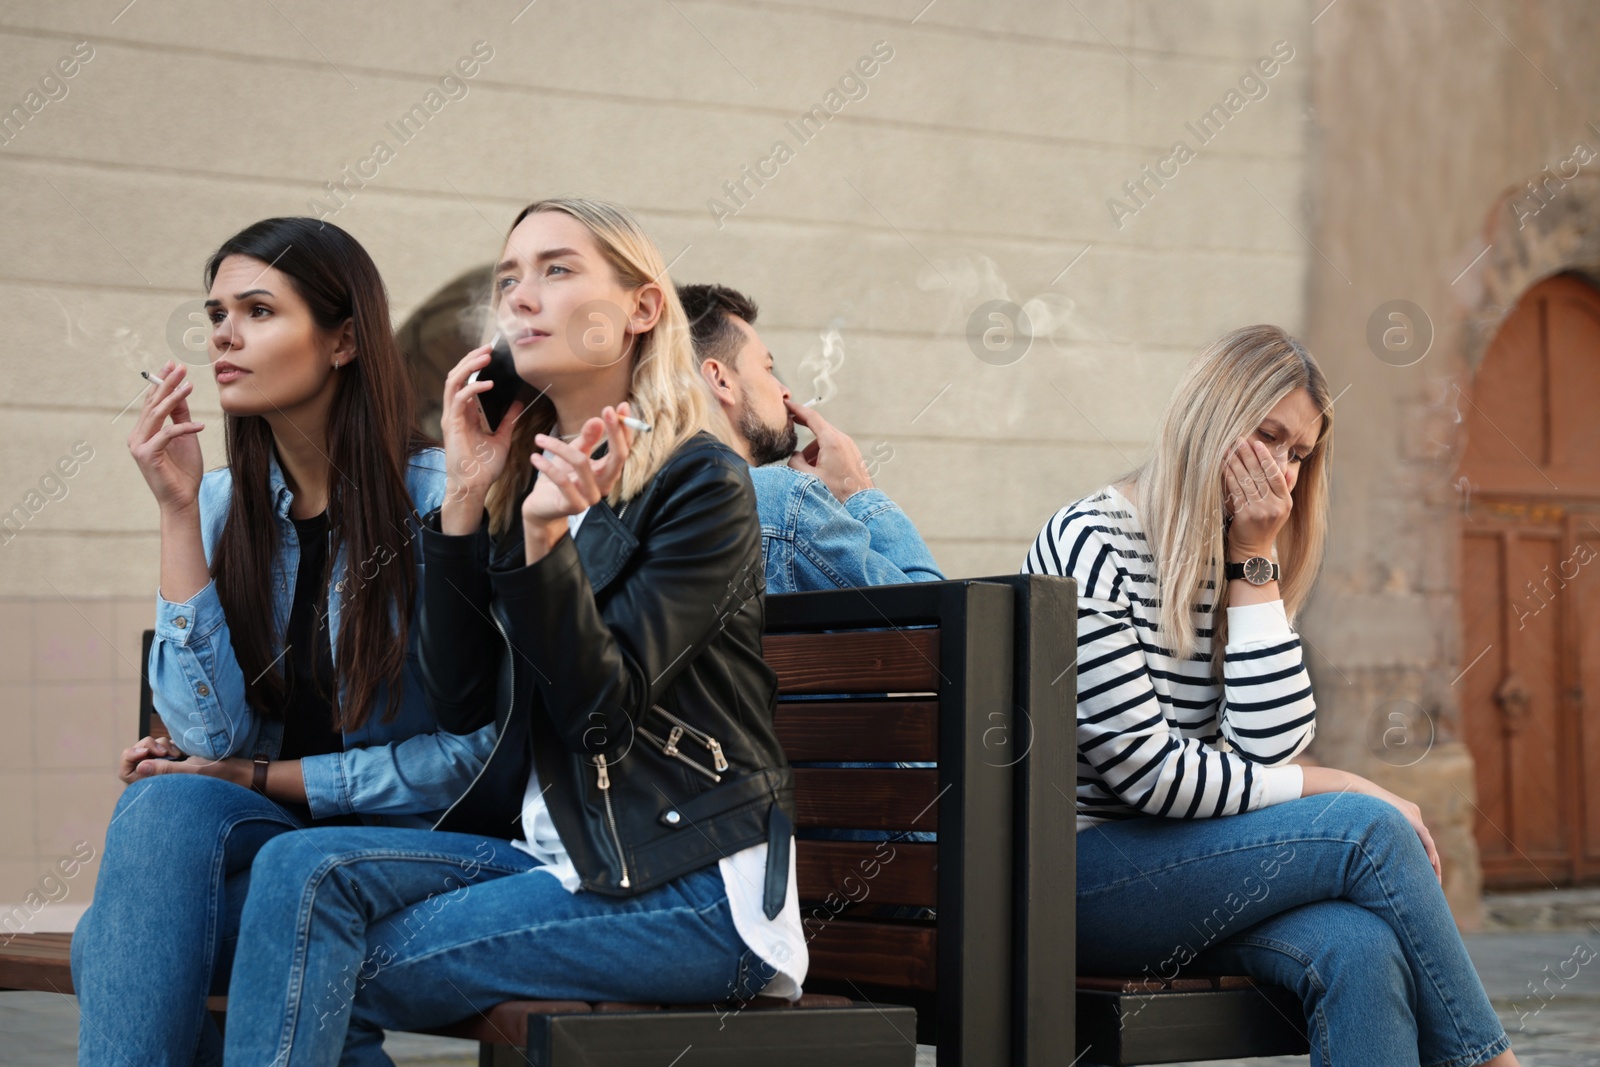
pixel 1201 847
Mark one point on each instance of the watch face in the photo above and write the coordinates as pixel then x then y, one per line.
pixel 1258 570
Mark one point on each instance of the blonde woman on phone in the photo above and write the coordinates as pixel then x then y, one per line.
pixel 599 607
pixel 1201 848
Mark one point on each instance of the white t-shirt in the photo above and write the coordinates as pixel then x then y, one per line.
pixel 780 941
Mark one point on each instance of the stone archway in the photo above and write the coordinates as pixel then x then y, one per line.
pixel 1526 701
pixel 1524 247
pixel 435 337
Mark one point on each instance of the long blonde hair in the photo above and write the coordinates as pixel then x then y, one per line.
pixel 1224 395
pixel 665 388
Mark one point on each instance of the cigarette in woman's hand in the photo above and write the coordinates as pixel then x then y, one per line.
pixel 637 425
pixel 151 378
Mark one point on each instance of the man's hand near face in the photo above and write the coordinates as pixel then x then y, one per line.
pixel 833 457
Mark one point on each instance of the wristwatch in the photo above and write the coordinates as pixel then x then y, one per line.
pixel 258 778
pixel 1257 570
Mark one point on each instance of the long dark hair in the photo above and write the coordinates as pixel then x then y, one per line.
pixel 371 436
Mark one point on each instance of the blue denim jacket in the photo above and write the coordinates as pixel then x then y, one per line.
pixel 811 541
pixel 402 773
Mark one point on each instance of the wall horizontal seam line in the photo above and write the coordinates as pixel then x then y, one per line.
pixel 1288 252
pixel 1021 539
pixel 39 533
pixel 144 290
pixel 93 409
pixel 1001 442
pixel 933 439
pixel 965 32
pixel 1142 347
pixel 1112 51
pixel 849 119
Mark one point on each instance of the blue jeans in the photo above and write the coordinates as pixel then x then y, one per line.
pixel 159 936
pixel 1331 896
pixel 351 929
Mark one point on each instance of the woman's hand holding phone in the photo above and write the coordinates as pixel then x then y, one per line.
pixel 474 457
pixel 169 455
pixel 570 480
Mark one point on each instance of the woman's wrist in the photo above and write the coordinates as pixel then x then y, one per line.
pixel 183 571
pixel 540 536
pixel 240 770
pixel 461 513
pixel 1330 780
pixel 180 520
pixel 1238 553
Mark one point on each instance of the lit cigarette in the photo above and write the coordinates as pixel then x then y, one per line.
pixel 151 378
pixel 813 400
pixel 637 425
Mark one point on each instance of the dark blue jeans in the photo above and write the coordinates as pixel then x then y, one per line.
pixel 159 936
pixel 1331 896
pixel 348 930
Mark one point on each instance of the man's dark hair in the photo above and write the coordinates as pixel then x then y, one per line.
pixel 708 308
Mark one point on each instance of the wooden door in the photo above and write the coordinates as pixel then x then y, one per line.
pixel 1530 590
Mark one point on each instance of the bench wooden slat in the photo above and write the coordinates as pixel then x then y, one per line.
pixel 1150 986
pixel 882 731
pixel 46 937
pixel 871 953
pixel 507 1023
pixel 1137 1028
pixel 875 661
pixel 860 798
pixel 870 872
pixel 38 962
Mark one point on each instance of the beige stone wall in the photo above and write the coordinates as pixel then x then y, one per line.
pixel 1427 114
pixel 978 165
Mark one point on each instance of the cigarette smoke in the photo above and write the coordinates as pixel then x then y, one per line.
pixel 975 279
pixel 821 360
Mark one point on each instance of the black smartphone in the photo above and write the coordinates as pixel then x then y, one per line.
pixel 502 371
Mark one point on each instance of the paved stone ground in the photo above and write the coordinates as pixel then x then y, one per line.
pixel 1559 1029
pixel 1543 910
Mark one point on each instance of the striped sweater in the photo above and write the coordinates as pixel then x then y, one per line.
pixel 1158 735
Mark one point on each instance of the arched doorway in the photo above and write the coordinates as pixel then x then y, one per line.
pixel 1530 589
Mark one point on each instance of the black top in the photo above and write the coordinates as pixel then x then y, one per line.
pixel 310 693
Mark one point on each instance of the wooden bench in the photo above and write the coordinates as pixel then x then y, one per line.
pixel 984 686
pixel 900 674
pixel 1113 1022
pixel 1126 1021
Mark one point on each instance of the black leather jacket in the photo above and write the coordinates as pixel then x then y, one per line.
pixel 627 665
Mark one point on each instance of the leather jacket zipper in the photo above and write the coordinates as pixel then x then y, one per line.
pixel 669 746
pixel 679 728
pixel 611 818
pixel 603 780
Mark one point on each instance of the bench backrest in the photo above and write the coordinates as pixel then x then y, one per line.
pixel 911 674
